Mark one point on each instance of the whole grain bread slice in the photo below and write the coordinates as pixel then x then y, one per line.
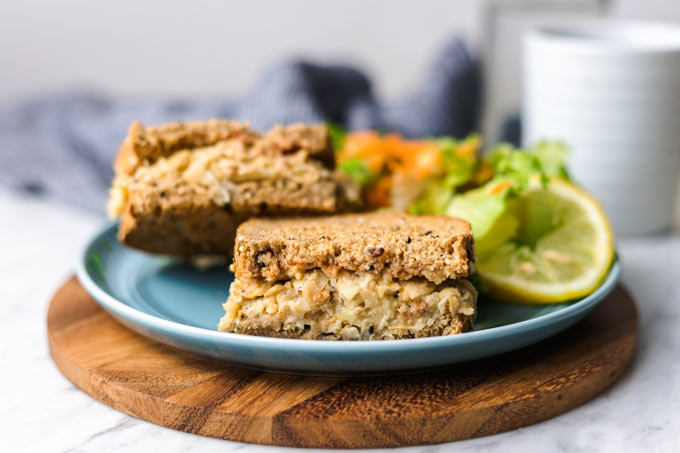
pixel 434 247
pixel 448 325
pixel 145 145
pixel 187 221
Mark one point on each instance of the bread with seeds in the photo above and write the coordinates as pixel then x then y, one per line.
pixel 352 277
pixel 183 188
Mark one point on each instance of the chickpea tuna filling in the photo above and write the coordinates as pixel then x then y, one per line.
pixel 226 172
pixel 349 305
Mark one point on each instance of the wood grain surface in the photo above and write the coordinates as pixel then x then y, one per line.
pixel 182 391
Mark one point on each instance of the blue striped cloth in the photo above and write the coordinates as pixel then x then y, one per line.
pixel 63 145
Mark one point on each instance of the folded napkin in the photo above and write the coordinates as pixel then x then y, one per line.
pixel 63 145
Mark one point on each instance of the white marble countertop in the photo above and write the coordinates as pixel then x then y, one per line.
pixel 41 411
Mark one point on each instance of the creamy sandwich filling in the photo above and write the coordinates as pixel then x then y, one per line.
pixel 347 305
pixel 220 170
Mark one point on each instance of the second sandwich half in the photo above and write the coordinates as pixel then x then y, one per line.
pixel 183 189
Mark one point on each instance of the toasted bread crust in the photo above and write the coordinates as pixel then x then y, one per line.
pixel 179 229
pixel 435 247
pixel 145 145
pixel 187 222
pixel 450 325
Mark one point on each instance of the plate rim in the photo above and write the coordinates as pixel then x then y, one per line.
pixel 116 306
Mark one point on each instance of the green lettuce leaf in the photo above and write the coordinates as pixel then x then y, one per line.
pixel 545 158
pixel 551 156
pixel 490 215
pixel 337 134
pixel 356 169
pixel 458 171
pixel 495 211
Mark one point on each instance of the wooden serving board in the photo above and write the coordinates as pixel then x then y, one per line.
pixel 182 391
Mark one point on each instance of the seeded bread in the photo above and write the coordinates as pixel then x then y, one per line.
pixel 186 221
pixel 448 325
pixel 182 189
pixel 435 247
pixel 145 145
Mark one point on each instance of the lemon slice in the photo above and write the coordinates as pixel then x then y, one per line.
pixel 562 250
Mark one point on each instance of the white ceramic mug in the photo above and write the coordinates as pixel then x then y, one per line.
pixel 611 91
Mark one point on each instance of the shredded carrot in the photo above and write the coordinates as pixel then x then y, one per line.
pixel 394 160
pixel 365 145
pixel 484 172
pixel 414 158
pixel 469 147
pixel 379 195
pixel 500 187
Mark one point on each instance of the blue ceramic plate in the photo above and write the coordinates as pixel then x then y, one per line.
pixel 180 305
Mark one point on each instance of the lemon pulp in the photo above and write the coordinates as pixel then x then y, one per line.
pixel 562 249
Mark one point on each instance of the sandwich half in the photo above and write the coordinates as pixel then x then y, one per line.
pixel 353 277
pixel 183 188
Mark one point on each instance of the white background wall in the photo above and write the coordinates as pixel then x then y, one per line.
pixel 214 47
pixel 208 47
